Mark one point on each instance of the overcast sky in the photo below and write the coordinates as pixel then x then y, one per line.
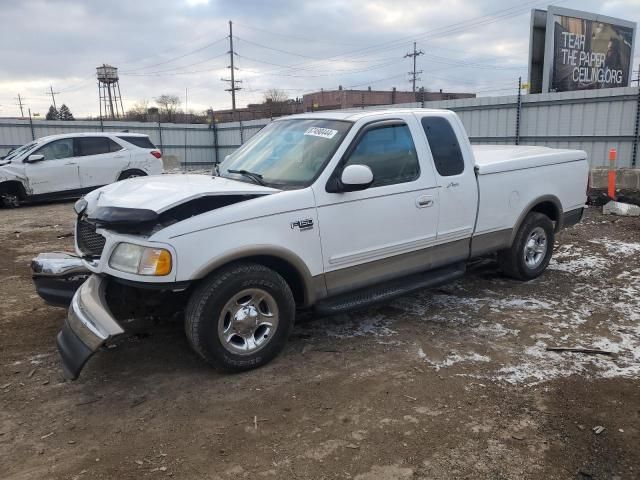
pixel 167 46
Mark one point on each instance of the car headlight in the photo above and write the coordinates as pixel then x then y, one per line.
pixel 80 206
pixel 131 258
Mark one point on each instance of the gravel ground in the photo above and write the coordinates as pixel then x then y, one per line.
pixel 451 383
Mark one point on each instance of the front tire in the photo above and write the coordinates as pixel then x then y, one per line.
pixel 9 200
pixel 531 250
pixel 240 317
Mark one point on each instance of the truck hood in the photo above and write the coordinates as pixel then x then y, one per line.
pixel 163 192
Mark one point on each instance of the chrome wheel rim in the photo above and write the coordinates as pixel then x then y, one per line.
pixel 535 248
pixel 248 321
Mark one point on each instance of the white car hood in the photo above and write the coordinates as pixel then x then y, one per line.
pixel 162 192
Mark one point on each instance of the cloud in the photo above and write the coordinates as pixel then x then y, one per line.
pixel 165 46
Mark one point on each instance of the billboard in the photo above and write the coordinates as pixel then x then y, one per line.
pixel 581 51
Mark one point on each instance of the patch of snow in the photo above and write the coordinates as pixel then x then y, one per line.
pixel 454 358
pixel 617 247
pixel 582 265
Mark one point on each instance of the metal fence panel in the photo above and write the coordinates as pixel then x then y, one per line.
pixel 594 121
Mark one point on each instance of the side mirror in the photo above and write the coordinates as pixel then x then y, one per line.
pixel 34 158
pixel 355 178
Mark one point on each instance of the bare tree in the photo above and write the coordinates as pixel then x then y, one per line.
pixel 168 105
pixel 138 111
pixel 275 95
pixel 276 101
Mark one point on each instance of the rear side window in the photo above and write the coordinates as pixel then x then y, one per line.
pixel 390 154
pixel 91 146
pixel 444 146
pixel 142 142
pixel 114 146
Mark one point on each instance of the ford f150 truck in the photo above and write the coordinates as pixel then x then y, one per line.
pixel 327 211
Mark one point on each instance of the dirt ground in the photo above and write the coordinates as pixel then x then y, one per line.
pixel 452 383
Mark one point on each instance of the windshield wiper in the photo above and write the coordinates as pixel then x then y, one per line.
pixel 256 177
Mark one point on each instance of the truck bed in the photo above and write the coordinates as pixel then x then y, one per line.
pixel 503 158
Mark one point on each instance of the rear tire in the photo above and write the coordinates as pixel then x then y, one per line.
pixel 240 317
pixel 131 174
pixel 531 250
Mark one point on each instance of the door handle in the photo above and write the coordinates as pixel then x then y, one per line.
pixel 71 163
pixel 424 201
pixel 118 156
pixel 453 184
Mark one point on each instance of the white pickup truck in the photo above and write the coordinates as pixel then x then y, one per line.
pixel 330 211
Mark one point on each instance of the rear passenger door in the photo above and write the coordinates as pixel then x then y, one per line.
pixel 100 160
pixel 458 192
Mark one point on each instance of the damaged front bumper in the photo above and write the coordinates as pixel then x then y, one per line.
pixel 57 276
pixel 88 326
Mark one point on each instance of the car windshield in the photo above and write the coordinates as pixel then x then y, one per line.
pixel 20 150
pixel 286 153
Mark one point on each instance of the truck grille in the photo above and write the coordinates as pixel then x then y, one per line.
pixel 90 243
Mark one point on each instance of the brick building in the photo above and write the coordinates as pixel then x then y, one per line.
pixel 332 100
pixel 339 99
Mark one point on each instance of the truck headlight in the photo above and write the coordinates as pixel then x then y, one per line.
pixel 131 258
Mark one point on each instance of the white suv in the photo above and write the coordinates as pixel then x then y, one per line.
pixel 66 166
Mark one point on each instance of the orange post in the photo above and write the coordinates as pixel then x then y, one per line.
pixel 612 174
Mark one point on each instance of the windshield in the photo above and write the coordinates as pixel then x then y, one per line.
pixel 20 150
pixel 286 153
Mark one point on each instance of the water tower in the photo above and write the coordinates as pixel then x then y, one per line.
pixel 109 92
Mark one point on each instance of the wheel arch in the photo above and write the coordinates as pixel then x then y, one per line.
pixel 306 288
pixel 126 171
pixel 548 205
pixel 15 187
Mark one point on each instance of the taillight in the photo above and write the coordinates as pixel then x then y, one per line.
pixel 156 153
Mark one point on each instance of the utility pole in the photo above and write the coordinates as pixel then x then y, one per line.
pixel 53 96
pixel 19 98
pixel 414 74
pixel 232 82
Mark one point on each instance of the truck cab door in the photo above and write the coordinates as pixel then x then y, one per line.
pixel 100 160
pixel 57 172
pixel 384 231
pixel 455 176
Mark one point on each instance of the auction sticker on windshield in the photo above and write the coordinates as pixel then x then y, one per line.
pixel 321 132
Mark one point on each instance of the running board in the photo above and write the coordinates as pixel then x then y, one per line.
pixel 386 291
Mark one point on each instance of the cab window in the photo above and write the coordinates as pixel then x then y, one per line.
pixel 57 149
pixel 390 154
pixel 444 146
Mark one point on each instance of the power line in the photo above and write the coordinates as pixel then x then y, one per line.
pixel 283 35
pixel 490 18
pixel 414 74
pixel 178 57
pixel 173 69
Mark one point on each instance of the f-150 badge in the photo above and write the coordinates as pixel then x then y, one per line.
pixel 305 224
